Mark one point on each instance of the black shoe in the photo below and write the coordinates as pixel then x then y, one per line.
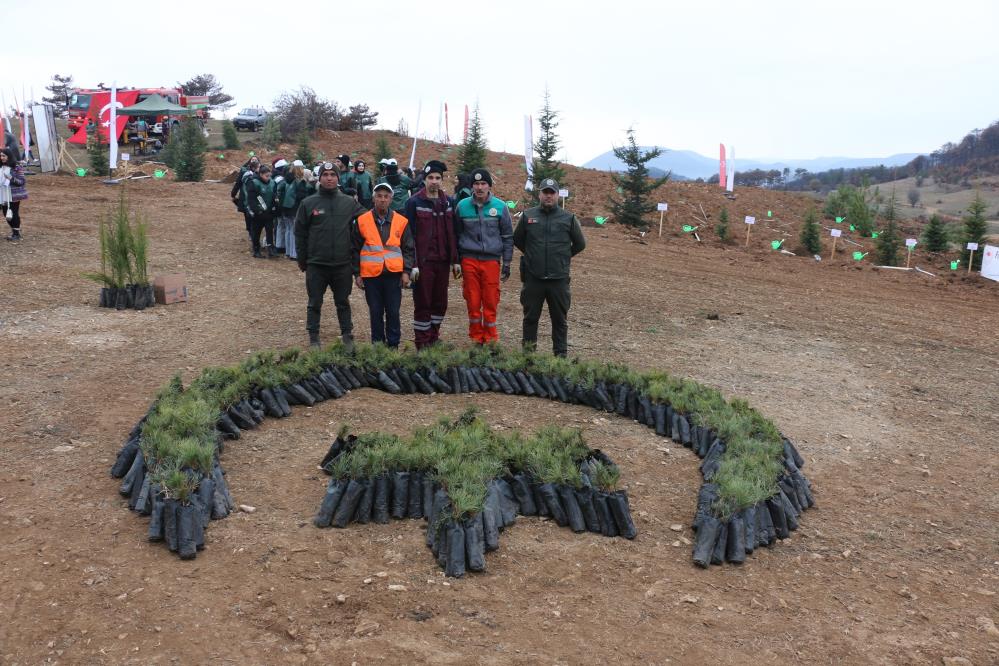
pixel 257 254
pixel 15 235
pixel 314 340
pixel 271 254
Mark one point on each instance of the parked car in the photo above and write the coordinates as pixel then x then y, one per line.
pixel 252 119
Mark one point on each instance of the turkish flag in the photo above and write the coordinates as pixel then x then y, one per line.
pixel 100 107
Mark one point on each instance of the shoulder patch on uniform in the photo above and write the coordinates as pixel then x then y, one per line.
pixel 493 212
pixel 318 211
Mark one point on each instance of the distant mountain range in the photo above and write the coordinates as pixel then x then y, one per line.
pixel 688 165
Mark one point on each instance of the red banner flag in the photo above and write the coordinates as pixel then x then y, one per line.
pixel 465 138
pixel 100 108
pixel 721 165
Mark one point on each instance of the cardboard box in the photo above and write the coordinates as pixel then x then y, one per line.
pixel 170 288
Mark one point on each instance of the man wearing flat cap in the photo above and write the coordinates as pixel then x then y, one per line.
pixel 485 247
pixel 323 242
pixel 549 237
pixel 431 219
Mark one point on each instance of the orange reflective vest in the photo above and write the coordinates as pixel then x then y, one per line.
pixel 375 255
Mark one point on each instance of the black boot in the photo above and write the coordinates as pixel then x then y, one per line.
pixel 257 254
pixel 314 339
pixel 271 252
pixel 15 235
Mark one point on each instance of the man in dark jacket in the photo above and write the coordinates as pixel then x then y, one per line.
pixel 382 262
pixel 323 242
pixel 549 237
pixel 431 219
pixel 238 194
pixel 261 204
pixel 485 239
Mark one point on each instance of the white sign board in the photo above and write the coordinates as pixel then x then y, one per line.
pixel 972 246
pixel 126 157
pixel 662 207
pixel 836 233
pixel 750 219
pixel 910 242
pixel 990 263
pixel 564 194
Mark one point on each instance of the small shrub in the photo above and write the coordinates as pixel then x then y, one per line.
pixel 722 227
pixel 935 235
pixel 230 140
pixel 810 237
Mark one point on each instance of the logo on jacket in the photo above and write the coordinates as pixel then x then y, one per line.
pixel 532 220
pixel 317 211
pixel 492 212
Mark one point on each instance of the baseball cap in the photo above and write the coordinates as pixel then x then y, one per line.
pixel 549 184
pixel 384 186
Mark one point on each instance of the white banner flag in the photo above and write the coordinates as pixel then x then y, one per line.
pixel 529 152
pixel 112 133
pixel 416 133
pixel 730 168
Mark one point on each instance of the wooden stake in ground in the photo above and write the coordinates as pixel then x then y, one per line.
pixel 662 208
pixel 836 233
pixel 909 244
pixel 750 221
pixel 971 255
pixel 563 195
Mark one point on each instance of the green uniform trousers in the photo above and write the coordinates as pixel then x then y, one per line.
pixel 533 295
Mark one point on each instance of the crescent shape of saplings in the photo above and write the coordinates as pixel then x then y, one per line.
pixel 173 452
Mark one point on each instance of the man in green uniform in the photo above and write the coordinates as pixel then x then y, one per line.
pixel 323 242
pixel 549 237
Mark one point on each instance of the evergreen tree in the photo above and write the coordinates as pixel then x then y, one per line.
pixel 472 154
pixel 229 137
pixel 171 150
pixel 890 240
pixel 546 147
pixel 974 231
pixel 810 238
pixel 635 185
pixel 935 235
pixel 858 212
pixel 190 161
pixel 271 135
pixel 382 149
pixel 59 87
pixel 722 227
pixel 97 149
pixel 304 149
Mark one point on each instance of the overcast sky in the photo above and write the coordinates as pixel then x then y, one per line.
pixel 774 79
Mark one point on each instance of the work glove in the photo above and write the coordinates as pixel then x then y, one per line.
pixel 505 272
pixel 414 274
pixel 456 270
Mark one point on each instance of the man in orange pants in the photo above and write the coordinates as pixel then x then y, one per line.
pixel 485 246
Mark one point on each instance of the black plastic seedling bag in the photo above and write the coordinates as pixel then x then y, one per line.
pixel 126 456
pixel 367 503
pixel 508 501
pixel 330 384
pixel 438 382
pixel 659 415
pixel 525 384
pixel 284 400
pixel 554 504
pixel 572 511
pixel 536 385
pixel 674 427
pixel 414 503
pixel 621 399
pixel 608 526
pixel 387 384
pixel 647 415
pixel 228 427
pixel 335 448
pixel 805 486
pixel 475 545
pixel 735 549
pixel 271 407
pixel 334 491
pixel 793 452
pixel 766 533
pixel 248 409
pixel 220 485
pixel 490 380
pixel 405 380
pixel 347 507
pixel 777 517
pixel 242 420
pixel 301 395
pixel 455 565
pixel 140 484
pixel 618 504
pixel 220 508
pixel 539 500
pixel 604 396
pixel 785 485
pixel 707 536
pixel 400 494
pixel 317 388
pixel 438 512
pixel 428 495
pixel 704 441
pixel 584 497
pixel 380 512
pixel 749 523
pixel 155 532
pixel 721 545
pixel 135 474
pixel 170 507
pixel 490 527
pixel 525 499
pixel 790 514
pixel 206 491
pixel 468 377
pixel 188 521
pixel 549 385
pixel 422 384
pixel 685 437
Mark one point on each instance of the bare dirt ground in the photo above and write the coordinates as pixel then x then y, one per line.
pixel 887 381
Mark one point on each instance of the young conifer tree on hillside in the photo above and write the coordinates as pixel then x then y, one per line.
pixel 546 147
pixel 722 227
pixel 890 240
pixel 383 150
pixel 304 151
pixel 230 140
pixel 472 154
pixel 635 184
pixel 810 238
pixel 935 235
pixel 974 231
pixel 190 159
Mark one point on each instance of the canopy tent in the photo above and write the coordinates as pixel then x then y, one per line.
pixel 156 105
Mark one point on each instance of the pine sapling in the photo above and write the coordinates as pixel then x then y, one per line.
pixel 935 235
pixel 974 231
pixel 722 227
pixel 810 238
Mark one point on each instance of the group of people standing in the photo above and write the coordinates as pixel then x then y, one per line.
pixel 345 229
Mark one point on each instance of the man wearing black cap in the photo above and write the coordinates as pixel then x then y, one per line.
pixel 485 238
pixel 401 185
pixel 323 243
pixel 431 218
pixel 549 237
